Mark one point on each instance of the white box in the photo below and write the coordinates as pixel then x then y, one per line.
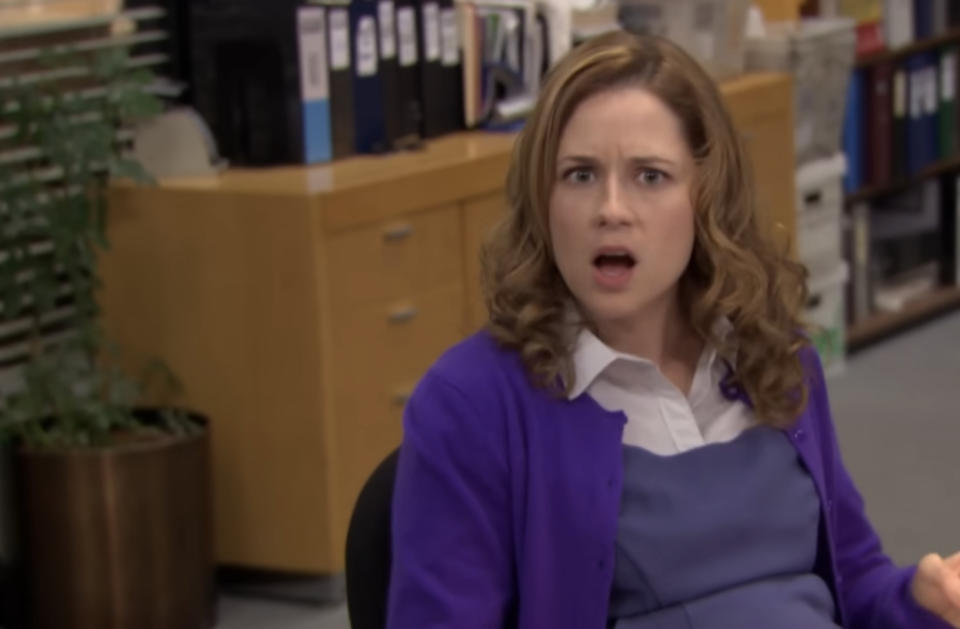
pixel 819 204
pixel 820 53
pixel 712 31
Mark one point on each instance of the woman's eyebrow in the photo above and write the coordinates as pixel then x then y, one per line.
pixel 652 160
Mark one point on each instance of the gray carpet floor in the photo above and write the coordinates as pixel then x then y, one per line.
pixel 897 411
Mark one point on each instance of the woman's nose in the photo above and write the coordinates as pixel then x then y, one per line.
pixel 614 210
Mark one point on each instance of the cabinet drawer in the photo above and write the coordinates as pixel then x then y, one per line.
pixel 395 258
pixel 379 355
pixel 393 342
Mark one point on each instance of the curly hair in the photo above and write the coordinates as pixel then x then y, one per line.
pixel 736 271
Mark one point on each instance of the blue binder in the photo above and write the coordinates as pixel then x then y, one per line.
pixel 931 108
pixel 314 84
pixel 917 133
pixel 853 135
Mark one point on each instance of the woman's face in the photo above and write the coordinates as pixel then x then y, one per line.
pixel 621 216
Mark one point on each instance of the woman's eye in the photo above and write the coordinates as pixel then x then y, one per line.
pixel 652 177
pixel 578 175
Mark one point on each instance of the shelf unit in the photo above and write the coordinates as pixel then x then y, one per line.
pixel 933 43
pixel 945 298
pixel 868 193
pixel 880 325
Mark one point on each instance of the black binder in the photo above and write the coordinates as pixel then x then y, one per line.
pixel 369 116
pixel 451 63
pixel 432 90
pixel 340 60
pixel 409 104
pixel 245 78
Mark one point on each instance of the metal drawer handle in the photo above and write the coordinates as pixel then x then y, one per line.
pixel 402 315
pixel 398 232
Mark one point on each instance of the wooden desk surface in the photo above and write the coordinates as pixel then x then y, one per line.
pixel 435 158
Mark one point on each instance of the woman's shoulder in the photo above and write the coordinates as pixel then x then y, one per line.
pixel 478 364
pixel 468 393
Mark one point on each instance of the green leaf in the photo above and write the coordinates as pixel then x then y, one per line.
pixel 74 392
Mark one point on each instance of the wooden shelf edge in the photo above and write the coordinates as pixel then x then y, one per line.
pixel 874 328
pixel 936 169
pixel 880 56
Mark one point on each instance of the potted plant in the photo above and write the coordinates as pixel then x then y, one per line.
pixel 113 498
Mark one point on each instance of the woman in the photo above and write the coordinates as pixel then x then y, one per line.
pixel 641 438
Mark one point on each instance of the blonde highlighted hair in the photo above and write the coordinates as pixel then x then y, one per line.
pixel 735 272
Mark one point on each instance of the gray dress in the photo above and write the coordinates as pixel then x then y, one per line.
pixel 720 537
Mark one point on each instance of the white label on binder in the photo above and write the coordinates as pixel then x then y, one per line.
pixel 948 77
pixel 339 39
pixel 450 37
pixel 388 30
pixel 431 31
pixel 930 104
pixel 900 94
pixel 407 36
pixel 366 46
pixel 313 54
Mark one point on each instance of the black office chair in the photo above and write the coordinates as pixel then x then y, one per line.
pixel 369 548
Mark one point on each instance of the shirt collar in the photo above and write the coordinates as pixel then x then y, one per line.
pixel 591 357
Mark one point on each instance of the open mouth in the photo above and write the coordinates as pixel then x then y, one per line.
pixel 614 263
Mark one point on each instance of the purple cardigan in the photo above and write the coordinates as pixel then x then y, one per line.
pixel 507 497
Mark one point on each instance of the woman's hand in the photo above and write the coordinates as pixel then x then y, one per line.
pixel 936 587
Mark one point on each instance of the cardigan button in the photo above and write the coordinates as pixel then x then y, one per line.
pixel 798 434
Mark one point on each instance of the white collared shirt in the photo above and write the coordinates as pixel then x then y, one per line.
pixel 660 418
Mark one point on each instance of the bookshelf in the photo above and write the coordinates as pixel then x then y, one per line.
pixel 944 299
pixel 880 325
pixel 924 45
pixel 868 193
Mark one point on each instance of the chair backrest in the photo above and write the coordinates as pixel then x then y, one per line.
pixel 369 548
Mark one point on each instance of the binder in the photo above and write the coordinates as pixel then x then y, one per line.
pixel 948 103
pixel 941 17
pixel 408 72
pixel 368 114
pixel 880 120
pixel 432 97
pixel 247 81
pixel 314 84
pixel 451 62
pixel 953 13
pixel 853 135
pixel 341 78
pixel 922 19
pixel 901 121
pixel 387 48
pixel 921 139
pixel 931 107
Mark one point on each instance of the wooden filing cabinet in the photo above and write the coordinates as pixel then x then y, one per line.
pixel 299 307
